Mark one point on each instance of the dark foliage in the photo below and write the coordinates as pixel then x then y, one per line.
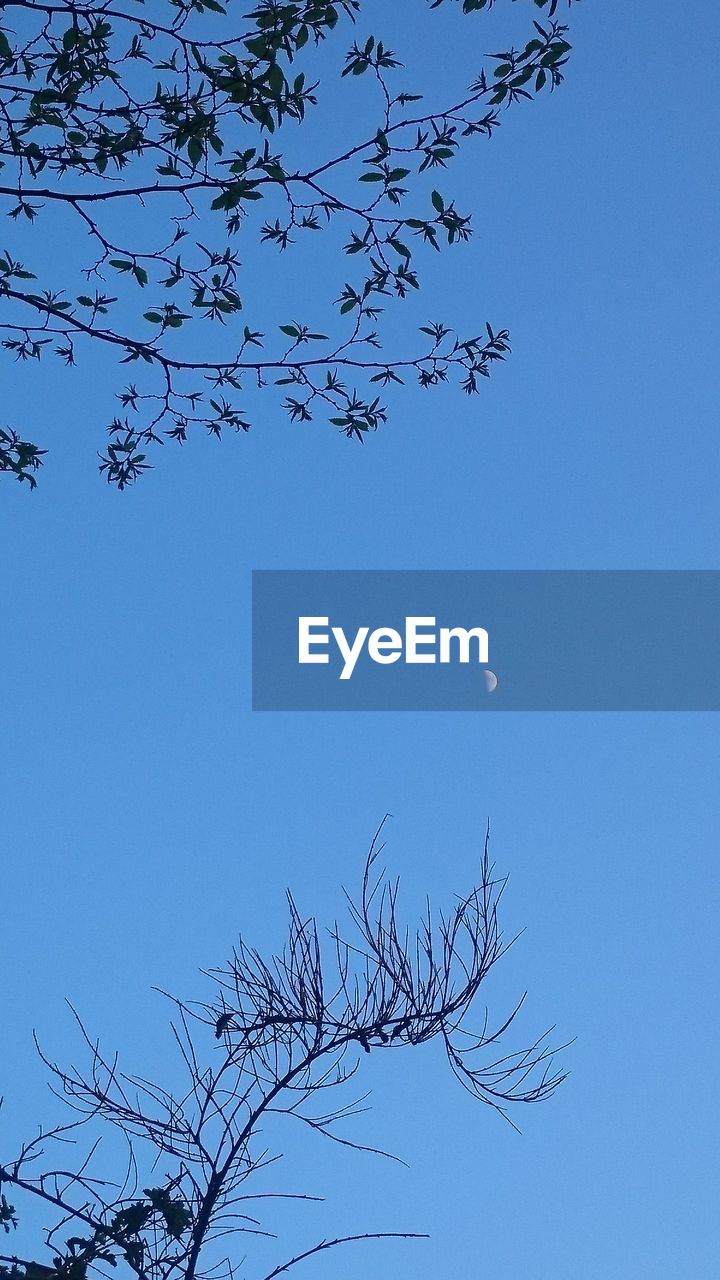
pixel 153 134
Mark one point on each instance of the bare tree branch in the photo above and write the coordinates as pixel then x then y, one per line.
pixel 280 1038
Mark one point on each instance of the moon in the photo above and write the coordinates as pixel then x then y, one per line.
pixel 491 680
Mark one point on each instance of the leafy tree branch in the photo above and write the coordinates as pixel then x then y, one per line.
pixel 104 109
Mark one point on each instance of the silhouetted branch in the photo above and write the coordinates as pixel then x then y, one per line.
pixel 280 1038
pixel 103 107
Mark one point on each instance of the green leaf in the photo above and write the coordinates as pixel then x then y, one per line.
pixel 522 78
pixel 194 150
pixel 276 80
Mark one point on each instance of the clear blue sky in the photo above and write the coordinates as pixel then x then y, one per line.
pixel 148 815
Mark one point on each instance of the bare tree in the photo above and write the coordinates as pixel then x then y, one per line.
pixel 285 1038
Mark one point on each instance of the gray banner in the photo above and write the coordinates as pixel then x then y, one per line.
pixel 608 640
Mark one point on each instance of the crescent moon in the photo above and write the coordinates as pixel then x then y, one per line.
pixel 491 680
